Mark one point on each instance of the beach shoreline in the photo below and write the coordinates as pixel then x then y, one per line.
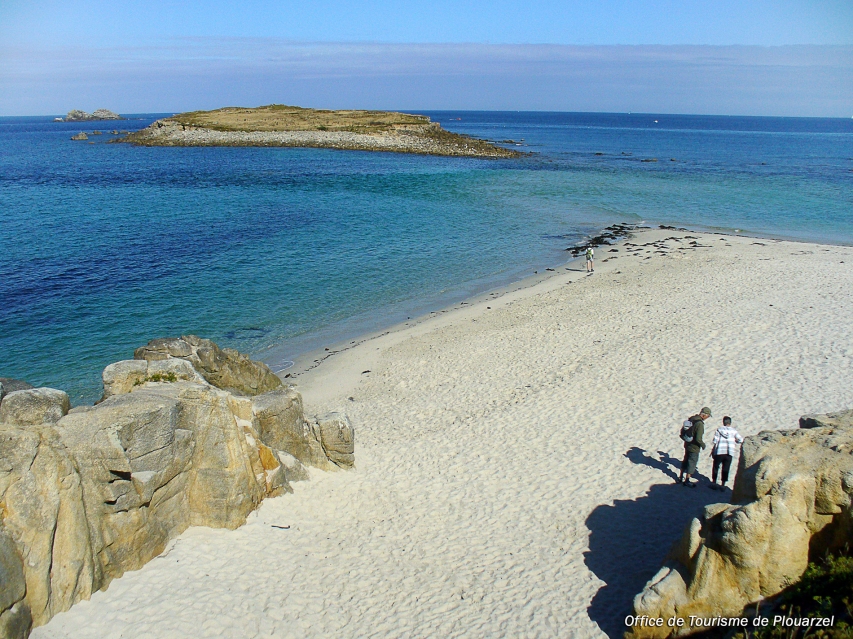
pixel 516 454
pixel 302 371
pixel 291 363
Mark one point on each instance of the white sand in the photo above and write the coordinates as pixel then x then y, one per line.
pixel 508 479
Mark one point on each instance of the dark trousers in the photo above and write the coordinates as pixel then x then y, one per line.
pixel 688 464
pixel 724 461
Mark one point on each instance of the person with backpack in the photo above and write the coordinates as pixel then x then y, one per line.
pixel 725 443
pixel 692 432
pixel 590 254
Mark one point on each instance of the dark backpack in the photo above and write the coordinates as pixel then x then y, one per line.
pixel 688 431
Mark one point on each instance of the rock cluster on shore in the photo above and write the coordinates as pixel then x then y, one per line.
pixel 607 237
pixel 791 502
pixel 186 434
pixel 75 115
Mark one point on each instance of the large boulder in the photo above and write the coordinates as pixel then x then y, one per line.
pixel 224 368
pixel 91 492
pixel 338 440
pixel 122 377
pixel 9 385
pixel 34 406
pixel 791 501
pixel 43 512
pixel 282 426
pixel 163 457
pixel 15 617
pixel 223 488
pixel 134 460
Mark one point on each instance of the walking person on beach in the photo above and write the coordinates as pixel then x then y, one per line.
pixel 725 443
pixel 590 254
pixel 693 443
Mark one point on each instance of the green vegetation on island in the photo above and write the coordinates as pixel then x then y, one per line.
pixel 280 117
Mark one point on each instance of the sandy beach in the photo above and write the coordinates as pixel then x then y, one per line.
pixel 515 454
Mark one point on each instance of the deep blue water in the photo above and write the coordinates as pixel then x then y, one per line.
pixel 272 251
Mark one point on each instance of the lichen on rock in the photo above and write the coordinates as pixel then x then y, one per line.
pixel 224 368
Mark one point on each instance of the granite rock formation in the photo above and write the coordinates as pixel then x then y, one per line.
pixel 75 115
pixel 15 620
pixel 336 436
pixel 123 376
pixel 91 492
pixel 34 406
pixel 791 501
pixel 79 137
pixel 222 367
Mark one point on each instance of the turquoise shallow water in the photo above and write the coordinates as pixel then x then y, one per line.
pixel 274 251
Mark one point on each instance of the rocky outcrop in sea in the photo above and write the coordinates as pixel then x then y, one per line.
pixel 75 115
pixel 187 434
pixel 791 502
pixel 425 139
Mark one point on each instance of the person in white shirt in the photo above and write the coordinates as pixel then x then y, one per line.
pixel 590 255
pixel 724 446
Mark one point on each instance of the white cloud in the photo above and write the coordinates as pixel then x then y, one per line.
pixel 194 73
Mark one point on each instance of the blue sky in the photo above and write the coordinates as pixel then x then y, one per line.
pixel 787 57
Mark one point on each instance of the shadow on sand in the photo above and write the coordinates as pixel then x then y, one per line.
pixel 629 540
pixel 666 463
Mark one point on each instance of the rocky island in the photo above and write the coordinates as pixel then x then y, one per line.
pixel 75 115
pixel 280 125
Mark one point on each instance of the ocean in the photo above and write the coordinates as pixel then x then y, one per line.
pixel 278 251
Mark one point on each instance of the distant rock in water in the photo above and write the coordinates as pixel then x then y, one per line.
pixel 80 136
pixel 106 114
pixel 75 115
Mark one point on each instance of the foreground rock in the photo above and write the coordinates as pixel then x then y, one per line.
pixel 9 385
pixel 34 406
pixel 75 115
pixel 280 125
pixel 791 500
pixel 91 492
